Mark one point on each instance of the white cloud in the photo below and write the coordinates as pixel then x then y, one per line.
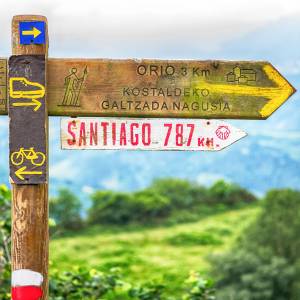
pixel 112 183
pixel 118 27
pixel 208 179
pixel 64 170
pixel 87 189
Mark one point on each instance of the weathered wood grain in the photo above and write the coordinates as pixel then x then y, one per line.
pixel 3 84
pixel 30 236
pixel 27 119
pixel 155 88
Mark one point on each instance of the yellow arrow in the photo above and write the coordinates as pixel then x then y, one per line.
pixel 35 32
pixel 34 102
pixel 22 171
pixel 277 94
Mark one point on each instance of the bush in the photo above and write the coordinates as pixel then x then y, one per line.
pixel 82 284
pixel 199 288
pixel 194 239
pixel 229 194
pixel 123 208
pixel 65 209
pixel 265 263
pixel 181 193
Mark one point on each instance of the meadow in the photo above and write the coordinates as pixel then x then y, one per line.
pixel 162 253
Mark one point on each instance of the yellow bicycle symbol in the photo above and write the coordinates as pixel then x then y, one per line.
pixel 36 158
pixel 17 84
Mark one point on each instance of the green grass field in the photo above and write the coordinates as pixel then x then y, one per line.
pixel 167 254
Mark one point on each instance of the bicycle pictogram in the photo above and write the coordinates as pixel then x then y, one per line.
pixel 37 158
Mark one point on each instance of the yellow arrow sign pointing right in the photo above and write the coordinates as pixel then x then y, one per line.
pixel 34 102
pixel 22 171
pixel 34 32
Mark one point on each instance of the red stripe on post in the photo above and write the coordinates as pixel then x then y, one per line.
pixel 26 293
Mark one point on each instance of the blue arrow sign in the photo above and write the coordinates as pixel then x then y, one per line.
pixel 32 33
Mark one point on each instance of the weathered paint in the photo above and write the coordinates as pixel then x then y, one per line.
pixel 27 118
pixel 147 134
pixel 26 293
pixel 26 285
pixel 155 88
pixel 24 277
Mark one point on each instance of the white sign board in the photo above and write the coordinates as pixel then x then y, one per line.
pixel 147 134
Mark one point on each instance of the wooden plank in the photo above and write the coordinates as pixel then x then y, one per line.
pixel 147 134
pixel 156 88
pixel 3 84
pixel 30 237
pixel 27 113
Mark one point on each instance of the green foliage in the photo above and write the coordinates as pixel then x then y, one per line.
pixel 93 285
pixel 181 193
pixel 265 263
pixel 165 201
pixel 278 227
pixel 149 291
pixel 229 194
pixel 5 241
pixel 65 210
pixel 122 208
pixel 82 284
pixel 199 288
pixel 194 238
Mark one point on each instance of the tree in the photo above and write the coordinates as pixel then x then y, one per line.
pixel 229 194
pixel 265 263
pixel 65 209
pixel 181 193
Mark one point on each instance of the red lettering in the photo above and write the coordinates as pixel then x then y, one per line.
pixel 169 126
pixel 93 134
pixel 104 125
pixel 113 133
pixel 82 134
pixel 179 135
pixel 73 140
pixel 210 142
pixel 192 127
pixel 134 137
pixel 123 141
pixel 201 142
pixel 146 134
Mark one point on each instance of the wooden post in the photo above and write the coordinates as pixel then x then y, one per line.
pixel 28 139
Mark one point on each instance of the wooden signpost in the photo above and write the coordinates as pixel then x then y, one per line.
pixel 33 87
pixel 154 88
pixel 28 147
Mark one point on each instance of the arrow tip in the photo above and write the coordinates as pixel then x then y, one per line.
pixel 19 173
pixel 285 91
pixel 37 104
pixel 36 32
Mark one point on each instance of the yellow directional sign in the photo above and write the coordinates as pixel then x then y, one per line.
pixel 154 88
pixel 23 171
pixel 33 32
pixel 34 102
pixel 158 88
